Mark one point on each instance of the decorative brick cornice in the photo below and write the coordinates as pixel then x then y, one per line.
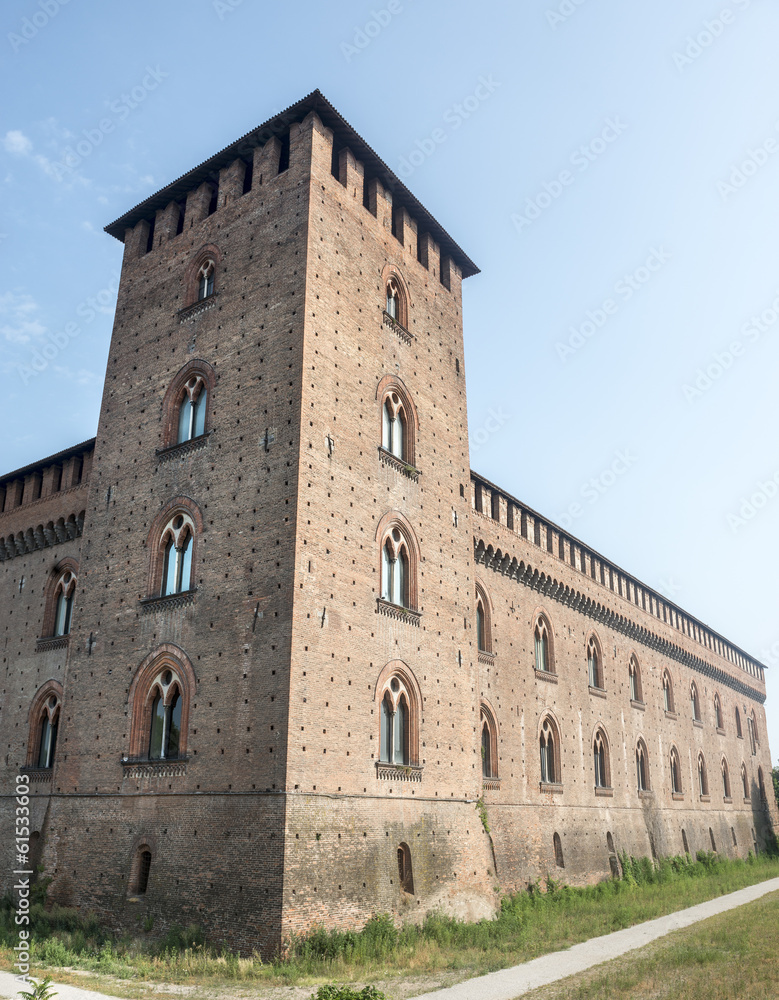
pixel 491 784
pixel 487 658
pixel 401 331
pixel 547 675
pixel 37 773
pixel 190 312
pixel 388 459
pixel 409 615
pixel 532 578
pixel 41 537
pixel 183 449
pixel 51 642
pixel 168 602
pixel 132 767
pixel 398 772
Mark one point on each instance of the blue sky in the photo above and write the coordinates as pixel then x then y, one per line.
pixel 612 168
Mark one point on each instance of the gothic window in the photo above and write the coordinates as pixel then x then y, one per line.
pixel 177 542
pixel 676 772
pixel 549 744
pixel 405 871
pixel 558 851
pixel 489 743
pixel 600 752
pixel 396 301
pixel 745 782
pixel 739 731
pixel 634 675
pixel 594 664
pixel 718 712
pixel 393 299
pixel 752 733
pixel 394 735
pixel 543 646
pixel 44 720
pixel 695 703
pixel 761 785
pixel 668 692
pixel 642 767
pixel 159 697
pixel 192 410
pixel 63 594
pixel 725 779
pixel 754 728
pixel 395 569
pixel 483 621
pixel 703 779
pixel 393 426
pixel 205 279
pixel 165 717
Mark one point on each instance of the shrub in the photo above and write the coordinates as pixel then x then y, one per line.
pixel 347 993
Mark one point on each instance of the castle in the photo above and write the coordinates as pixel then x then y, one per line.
pixel 272 651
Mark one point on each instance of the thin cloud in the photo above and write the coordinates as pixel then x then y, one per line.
pixel 16 142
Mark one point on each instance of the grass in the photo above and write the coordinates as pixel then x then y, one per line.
pixel 729 957
pixel 530 923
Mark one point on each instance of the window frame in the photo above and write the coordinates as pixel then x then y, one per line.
pixel 488 723
pixel 394 523
pixel 40 706
pixel 141 698
pixel 192 380
pixel 67 567
pixel 595 677
pixel 407 690
pixel 543 638
pixel 157 539
pixel 634 680
pixel 391 389
pixel 675 763
pixel 601 759
pixel 642 766
pixel 668 692
pixel 391 275
pixel 548 728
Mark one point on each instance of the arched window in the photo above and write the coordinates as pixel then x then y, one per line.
pixel 695 703
pixel 177 543
pixel 396 301
pixel 745 782
pixel 394 735
pixel 725 779
pixel 718 712
pixel 761 785
pixel 205 279
pixel 394 569
pixel 64 592
pixel 192 410
pixel 489 743
pixel 676 772
pixel 642 767
pixel 549 744
pixel 703 778
pixel 483 620
pixel 543 646
pixel 594 667
pixel 394 426
pixel 160 696
pixel 739 731
pixel 755 732
pixel 684 843
pixel 558 851
pixel 600 752
pixel 405 871
pixel 668 692
pixel 43 721
pixel 634 675
pixel 140 871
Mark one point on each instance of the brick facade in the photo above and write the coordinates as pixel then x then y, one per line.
pixel 285 802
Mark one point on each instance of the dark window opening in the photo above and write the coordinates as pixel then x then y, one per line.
pixel 558 851
pixel 684 842
pixel 56 479
pixel 144 868
pixel 78 470
pixel 405 873
pixel 366 192
pixel 397 222
pixel 335 162
pixel 182 206
pixel 213 204
pixel 150 239
pixel 248 177
pixel 284 153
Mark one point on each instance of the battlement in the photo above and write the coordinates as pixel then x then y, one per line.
pixel 50 476
pixel 490 501
pixel 271 149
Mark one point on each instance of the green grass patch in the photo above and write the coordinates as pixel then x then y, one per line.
pixel 530 923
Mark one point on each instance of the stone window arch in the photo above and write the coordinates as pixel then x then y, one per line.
pixel 202 278
pixel 725 778
pixel 173 544
pixel 396 297
pixel 719 720
pixel 399 420
pixel 543 643
pixel 489 742
pixel 601 759
pixel 668 692
pixel 642 767
pixel 59 598
pixel 594 663
pixel 186 407
pixel 703 777
pixel 549 747
pixel 398 561
pixel 483 620
pixel 634 678
pixel 398 701
pixel 695 702
pixel 140 870
pixel 160 698
pixel 676 771
pixel 43 725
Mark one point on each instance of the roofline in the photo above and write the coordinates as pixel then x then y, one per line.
pixel 73 450
pixel 610 562
pixel 345 136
